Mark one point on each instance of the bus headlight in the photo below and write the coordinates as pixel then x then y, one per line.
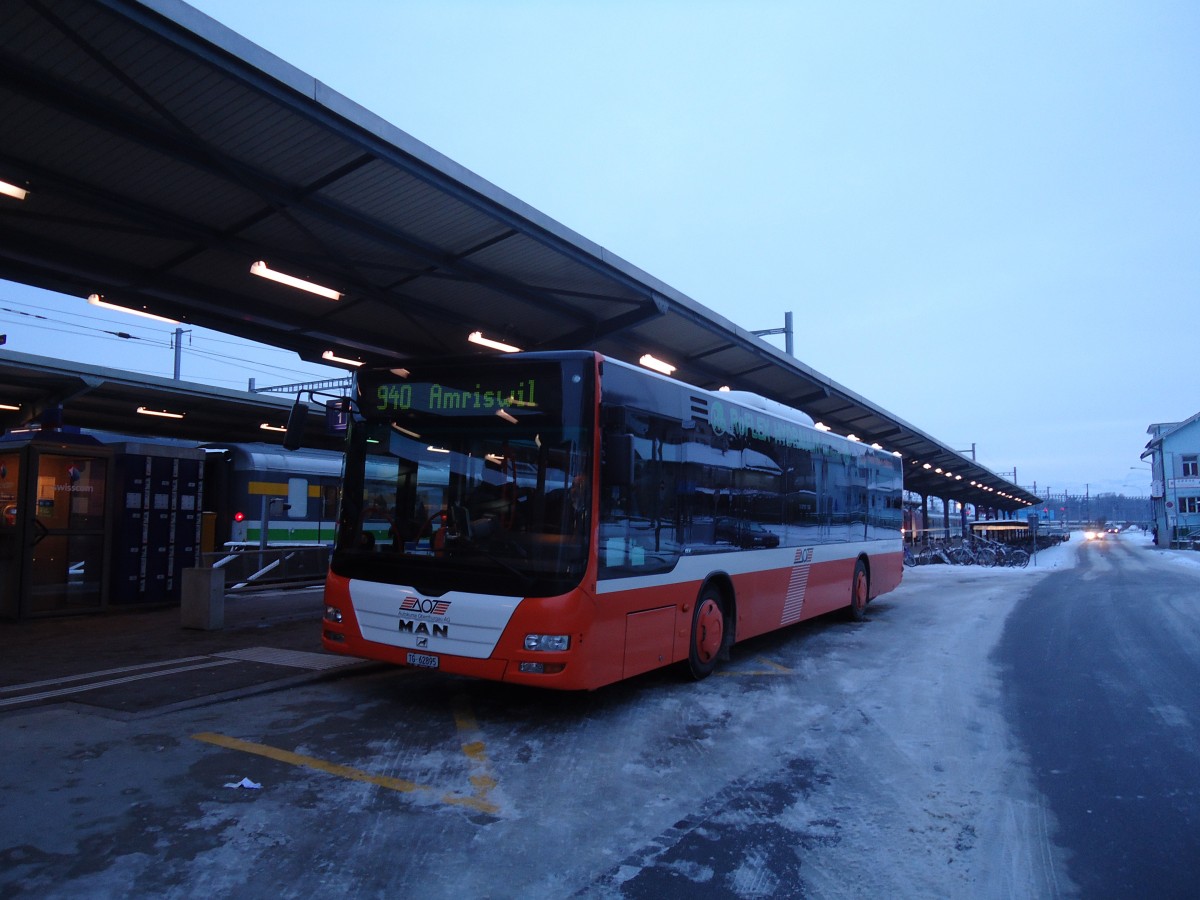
pixel 551 642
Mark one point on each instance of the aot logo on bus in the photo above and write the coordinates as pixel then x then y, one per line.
pixel 425 605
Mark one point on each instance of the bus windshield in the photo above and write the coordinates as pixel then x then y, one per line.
pixel 470 478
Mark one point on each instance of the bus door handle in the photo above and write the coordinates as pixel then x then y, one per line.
pixel 40 532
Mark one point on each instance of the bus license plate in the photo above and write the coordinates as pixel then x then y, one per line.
pixel 424 660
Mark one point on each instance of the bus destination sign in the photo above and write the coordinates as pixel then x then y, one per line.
pixel 445 399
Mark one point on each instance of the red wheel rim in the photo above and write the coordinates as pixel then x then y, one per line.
pixel 860 590
pixel 710 626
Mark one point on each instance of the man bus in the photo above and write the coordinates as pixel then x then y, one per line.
pixel 567 520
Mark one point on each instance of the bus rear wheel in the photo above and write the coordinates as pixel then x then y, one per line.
pixel 708 633
pixel 860 590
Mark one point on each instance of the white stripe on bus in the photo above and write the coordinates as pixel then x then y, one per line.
pixel 698 566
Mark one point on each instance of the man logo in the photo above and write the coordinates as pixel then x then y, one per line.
pixel 408 626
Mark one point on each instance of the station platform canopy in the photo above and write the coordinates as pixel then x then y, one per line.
pixel 164 156
pixel 94 398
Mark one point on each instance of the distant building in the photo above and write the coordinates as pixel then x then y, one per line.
pixel 1174 454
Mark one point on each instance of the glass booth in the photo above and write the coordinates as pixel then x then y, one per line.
pixel 54 525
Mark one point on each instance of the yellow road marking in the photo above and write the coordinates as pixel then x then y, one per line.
pixel 782 670
pixel 311 762
pixel 474 750
pixel 775 669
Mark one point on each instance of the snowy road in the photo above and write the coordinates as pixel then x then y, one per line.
pixel 831 760
pixel 1102 679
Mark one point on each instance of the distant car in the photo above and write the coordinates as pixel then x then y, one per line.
pixel 744 534
pixel 1113 529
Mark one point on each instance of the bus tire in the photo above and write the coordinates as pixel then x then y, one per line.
pixel 860 591
pixel 708 633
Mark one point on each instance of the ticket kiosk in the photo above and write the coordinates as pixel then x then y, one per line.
pixel 54 525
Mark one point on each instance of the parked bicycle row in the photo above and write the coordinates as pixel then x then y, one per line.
pixel 974 552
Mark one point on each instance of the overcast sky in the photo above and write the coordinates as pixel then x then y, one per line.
pixel 984 217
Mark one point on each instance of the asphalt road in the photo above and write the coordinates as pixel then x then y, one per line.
pixel 898 757
pixel 1101 674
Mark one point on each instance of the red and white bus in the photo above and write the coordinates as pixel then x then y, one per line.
pixel 567 520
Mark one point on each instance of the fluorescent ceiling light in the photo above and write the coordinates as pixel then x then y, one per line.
pixel 400 373
pixel 159 412
pixel 266 426
pixel 656 364
pixel 11 190
pixel 853 437
pixel 476 337
pixel 433 449
pixel 821 426
pixel 507 416
pixel 724 389
pixel 9 406
pixel 262 270
pixel 332 357
pixel 97 300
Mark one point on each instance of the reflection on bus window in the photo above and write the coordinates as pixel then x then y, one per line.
pixel 469 496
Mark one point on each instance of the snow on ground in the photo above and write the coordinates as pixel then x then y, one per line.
pixel 1188 558
pixel 933 796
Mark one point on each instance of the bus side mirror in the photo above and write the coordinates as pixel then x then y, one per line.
pixel 618 460
pixel 294 436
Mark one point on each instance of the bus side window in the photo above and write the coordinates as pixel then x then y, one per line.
pixel 618 460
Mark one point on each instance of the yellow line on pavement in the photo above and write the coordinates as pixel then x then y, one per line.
pixel 475 751
pixel 782 670
pixel 401 785
pixel 775 669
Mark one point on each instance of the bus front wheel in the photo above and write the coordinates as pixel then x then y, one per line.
pixel 708 633
pixel 860 590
